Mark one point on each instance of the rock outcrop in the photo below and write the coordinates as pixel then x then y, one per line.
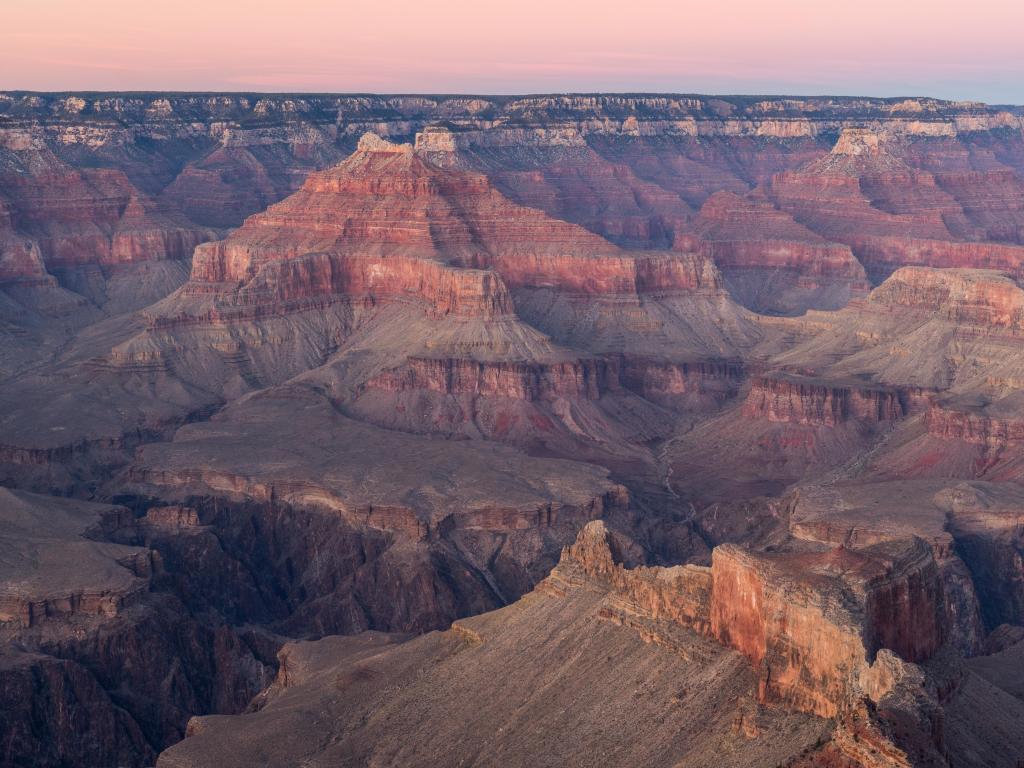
pixel 979 298
pixel 770 262
pixel 98 666
pixel 866 195
pixel 813 623
pixel 791 399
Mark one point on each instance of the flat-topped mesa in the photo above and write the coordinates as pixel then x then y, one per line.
pixel 371 142
pixel 795 400
pixel 439 146
pixel 973 297
pixel 857 141
pixel 860 151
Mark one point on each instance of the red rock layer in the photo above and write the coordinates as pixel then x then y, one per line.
pixel 701 383
pixel 965 297
pixel 605 197
pixel 992 200
pixel 230 183
pixel 974 428
pixel 882 255
pixel 814 624
pixel 888 212
pixel 749 232
pixel 385 200
pixel 818 403
pixel 21 262
pixel 378 225
pixel 587 379
pixel 540 518
pixel 448 291
pixel 91 216
pixel 791 615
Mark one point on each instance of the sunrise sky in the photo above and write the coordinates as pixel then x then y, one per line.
pixel 939 48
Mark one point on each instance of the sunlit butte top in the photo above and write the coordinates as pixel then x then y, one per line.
pixel 876 47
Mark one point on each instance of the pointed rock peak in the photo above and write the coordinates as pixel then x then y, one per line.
pixel 596 551
pixel 371 142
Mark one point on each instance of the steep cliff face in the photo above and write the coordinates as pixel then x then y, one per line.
pixel 662 679
pixel 700 385
pixel 823 628
pixel 20 259
pixel 594 606
pixel 979 298
pixel 818 403
pixel 857 514
pixel 991 431
pixel 567 407
pixel 866 195
pixel 100 667
pixel 771 262
pixel 987 523
pixel 792 616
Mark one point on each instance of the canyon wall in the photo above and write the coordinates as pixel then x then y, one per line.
pixel 822 628
pixel 819 403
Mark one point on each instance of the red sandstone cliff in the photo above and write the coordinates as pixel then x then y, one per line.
pixel 772 263
pixel 864 194
pixel 966 297
pixel 820 403
pixel 823 628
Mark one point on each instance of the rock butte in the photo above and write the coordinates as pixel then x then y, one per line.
pixel 690 418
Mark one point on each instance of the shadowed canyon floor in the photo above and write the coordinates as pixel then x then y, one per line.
pixel 701 418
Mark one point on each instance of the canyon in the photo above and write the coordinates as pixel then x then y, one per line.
pixel 699 419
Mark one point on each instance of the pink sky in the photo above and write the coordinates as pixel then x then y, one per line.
pixel 972 50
